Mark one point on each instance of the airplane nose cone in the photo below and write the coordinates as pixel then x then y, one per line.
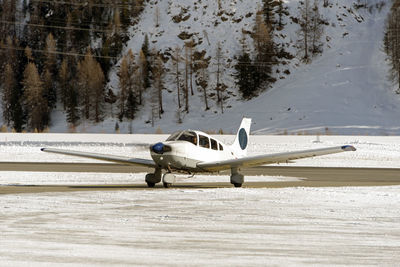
pixel 158 148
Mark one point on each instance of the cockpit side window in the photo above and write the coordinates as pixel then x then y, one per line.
pixel 189 136
pixel 214 144
pixel 204 141
pixel 221 148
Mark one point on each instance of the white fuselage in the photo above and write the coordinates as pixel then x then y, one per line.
pixel 184 155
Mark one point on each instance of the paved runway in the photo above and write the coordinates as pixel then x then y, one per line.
pixel 311 177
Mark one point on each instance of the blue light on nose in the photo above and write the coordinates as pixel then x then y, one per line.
pixel 158 148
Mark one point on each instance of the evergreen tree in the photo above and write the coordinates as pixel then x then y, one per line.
pixel 145 63
pixel 64 82
pixel 91 86
pixel 244 76
pixel 50 52
pixel 72 105
pixel 265 57
pixel 9 85
pixel 123 75
pixel 128 87
pixel 48 96
pixel 34 101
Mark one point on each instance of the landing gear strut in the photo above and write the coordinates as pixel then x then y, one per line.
pixel 153 178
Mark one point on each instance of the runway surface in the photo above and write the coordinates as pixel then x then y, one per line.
pixel 310 177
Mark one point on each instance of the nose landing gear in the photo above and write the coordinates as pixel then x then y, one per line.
pixel 153 178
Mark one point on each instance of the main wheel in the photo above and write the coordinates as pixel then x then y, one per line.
pixel 167 185
pixel 150 184
pixel 237 185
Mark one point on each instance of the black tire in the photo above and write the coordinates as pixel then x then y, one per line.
pixel 167 185
pixel 237 185
pixel 150 184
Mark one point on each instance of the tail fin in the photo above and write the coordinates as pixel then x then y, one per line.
pixel 239 146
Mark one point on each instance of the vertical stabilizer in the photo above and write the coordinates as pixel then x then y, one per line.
pixel 239 146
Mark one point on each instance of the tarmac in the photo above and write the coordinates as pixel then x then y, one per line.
pixel 309 177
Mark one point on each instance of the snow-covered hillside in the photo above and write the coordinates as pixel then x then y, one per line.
pixel 343 91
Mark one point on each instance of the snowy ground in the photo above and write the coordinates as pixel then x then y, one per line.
pixel 192 227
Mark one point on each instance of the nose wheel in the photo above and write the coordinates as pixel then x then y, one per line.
pixel 151 185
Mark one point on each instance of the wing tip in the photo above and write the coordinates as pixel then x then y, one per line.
pixel 349 148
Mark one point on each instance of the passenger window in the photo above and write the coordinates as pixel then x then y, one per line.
pixel 204 141
pixel 221 148
pixel 214 144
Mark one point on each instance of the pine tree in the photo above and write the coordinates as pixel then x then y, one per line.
pixel 34 101
pixel 128 79
pixel 244 76
pixel 91 84
pixel 265 57
pixel 50 52
pixel 48 96
pixel 123 75
pixel 64 82
pixel 9 84
pixel 268 10
pixel 281 11
pixel 145 63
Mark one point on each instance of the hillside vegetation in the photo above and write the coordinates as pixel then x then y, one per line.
pixel 147 66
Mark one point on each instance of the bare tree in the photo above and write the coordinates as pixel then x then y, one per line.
pixel 158 83
pixel 203 81
pixel 176 57
pixel 316 29
pixel 218 58
pixel 305 27
pixel 392 43
pixel 190 46
pixel 157 17
pixel 186 92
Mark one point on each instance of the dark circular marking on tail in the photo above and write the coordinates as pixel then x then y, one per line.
pixel 242 138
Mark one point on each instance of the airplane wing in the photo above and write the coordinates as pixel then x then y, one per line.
pixel 111 158
pixel 270 158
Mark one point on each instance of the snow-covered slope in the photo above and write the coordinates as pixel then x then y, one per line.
pixel 343 91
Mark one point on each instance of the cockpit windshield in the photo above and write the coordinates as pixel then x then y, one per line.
pixel 184 136
pixel 174 136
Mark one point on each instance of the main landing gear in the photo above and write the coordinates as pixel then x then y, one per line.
pixel 237 179
pixel 153 178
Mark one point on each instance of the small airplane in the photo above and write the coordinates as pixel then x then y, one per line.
pixel 193 152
